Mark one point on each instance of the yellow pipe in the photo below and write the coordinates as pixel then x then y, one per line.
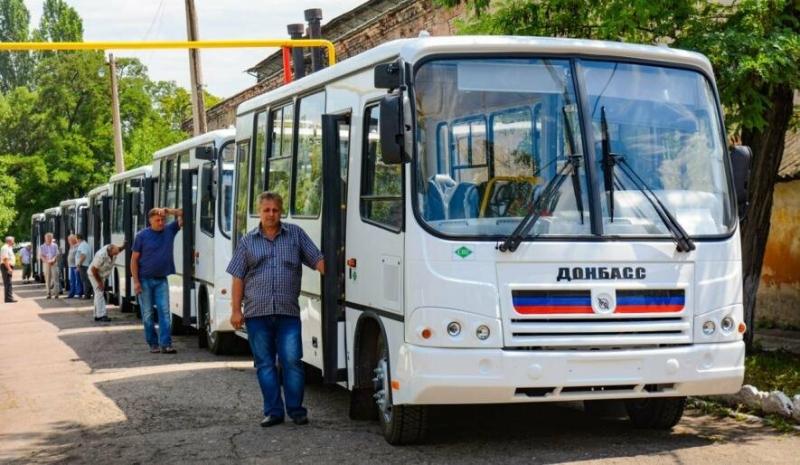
pixel 162 45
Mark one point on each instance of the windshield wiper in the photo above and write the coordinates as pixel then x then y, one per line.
pixel 682 240
pixel 511 243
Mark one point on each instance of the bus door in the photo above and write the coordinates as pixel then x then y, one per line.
pixel 203 230
pixel 105 222
pixel 130 209
pixel 335 159
pixel 188 205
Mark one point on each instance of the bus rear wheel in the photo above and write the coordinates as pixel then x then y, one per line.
pixel 657 413
pixel 401 424
pixel 217 342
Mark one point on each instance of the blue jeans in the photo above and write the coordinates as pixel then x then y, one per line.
pixel 268 335
pixel 156 292
pixel 75 288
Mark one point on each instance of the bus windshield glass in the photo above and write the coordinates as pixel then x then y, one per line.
pixel 500 139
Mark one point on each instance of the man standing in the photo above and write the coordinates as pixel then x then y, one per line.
pixel 75 287
pixel 100 269
pixel 25 257
pixel 266 269
pixel 151 263
pixel 83 258
pixel 48 254
pixel 7 266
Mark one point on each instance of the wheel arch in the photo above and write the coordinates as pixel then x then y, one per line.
pixel 369 327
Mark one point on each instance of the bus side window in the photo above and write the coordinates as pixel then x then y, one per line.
pixel 242 162
pixel 257 176
pixel 381 185
pixel 280 152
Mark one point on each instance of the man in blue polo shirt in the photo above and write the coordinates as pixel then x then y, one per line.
pixel 151 263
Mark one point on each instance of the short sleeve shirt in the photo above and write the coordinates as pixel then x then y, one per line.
pixel 272 269
pixel 71 256
pixel 103 263
pixel 7 252
pixel 85 251
pixel 25 255
pixel 155 251
pixel 48 252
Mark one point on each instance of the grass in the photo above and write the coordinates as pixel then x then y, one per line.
pixel 769 371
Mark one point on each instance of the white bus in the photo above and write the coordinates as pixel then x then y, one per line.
pixel 508 219
pixel 98 231
pixel 38 223
pixel 131 198
pixel 74 216
pixel 197 176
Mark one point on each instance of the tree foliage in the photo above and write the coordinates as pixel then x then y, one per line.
pixel 55 118
pixel 754 46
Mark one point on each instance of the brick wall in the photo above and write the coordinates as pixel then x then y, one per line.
pixel 404 20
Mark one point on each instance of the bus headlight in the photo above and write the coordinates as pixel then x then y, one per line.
pixel 482 332
pixel 709 327
pixel 726 325
pixel 453 329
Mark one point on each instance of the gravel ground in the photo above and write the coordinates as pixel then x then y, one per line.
pixel 74 391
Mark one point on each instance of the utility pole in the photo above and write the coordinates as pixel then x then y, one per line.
pixel 119 159
pixel 198 106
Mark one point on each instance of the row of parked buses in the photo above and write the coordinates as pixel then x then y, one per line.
pixel 503 219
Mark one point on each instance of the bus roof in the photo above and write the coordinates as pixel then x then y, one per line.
pixel 70 202
pixel 218 136
pixel 99 190
pixel 142 170
pixel 411 50
pixel 37 217
pixel 53 211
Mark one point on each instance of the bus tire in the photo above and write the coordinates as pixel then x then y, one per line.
pixel 657 413
pixel 126 306
pixel 401 424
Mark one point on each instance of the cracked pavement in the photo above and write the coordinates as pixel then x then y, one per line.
pixel 74 391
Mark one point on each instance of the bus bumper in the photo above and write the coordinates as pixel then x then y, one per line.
pixel 426 375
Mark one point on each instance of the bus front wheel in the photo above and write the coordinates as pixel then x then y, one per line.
pixel 656 413
pixel 401 424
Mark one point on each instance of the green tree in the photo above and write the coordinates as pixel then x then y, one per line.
pixel 15 67
pixel 59 23
pixel 754 46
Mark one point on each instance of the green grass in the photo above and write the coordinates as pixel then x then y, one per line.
pixel 769 371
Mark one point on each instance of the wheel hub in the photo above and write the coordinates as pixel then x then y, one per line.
pixel 381 385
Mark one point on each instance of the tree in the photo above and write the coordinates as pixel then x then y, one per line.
pixel 754 46
pixel 60 23
pixel 15 67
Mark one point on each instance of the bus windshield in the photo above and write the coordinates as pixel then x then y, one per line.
pixel 500 138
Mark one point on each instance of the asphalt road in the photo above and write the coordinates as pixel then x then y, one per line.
pixel 74 391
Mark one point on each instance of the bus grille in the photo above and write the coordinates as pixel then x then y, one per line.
pixel 566 319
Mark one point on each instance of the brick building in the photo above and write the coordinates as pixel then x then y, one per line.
pixel 364 27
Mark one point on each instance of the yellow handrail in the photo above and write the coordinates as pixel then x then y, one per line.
pixel 162 45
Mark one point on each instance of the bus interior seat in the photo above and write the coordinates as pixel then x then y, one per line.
pixel 464 203
pixel 440 188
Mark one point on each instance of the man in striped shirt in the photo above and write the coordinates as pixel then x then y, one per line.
pixel 266 269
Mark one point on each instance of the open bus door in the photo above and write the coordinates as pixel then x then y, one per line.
pixel 130 207
pixel 335 153
pixel 188 202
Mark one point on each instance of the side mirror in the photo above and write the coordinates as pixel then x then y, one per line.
pixel 205 152
pixel 389 75
pixel 391 129
pixel 741 158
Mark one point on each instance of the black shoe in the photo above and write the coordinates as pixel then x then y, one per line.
pixel 12 301
pixel 300 420
pixel 103 318
pixel 271 420
pixel 168 350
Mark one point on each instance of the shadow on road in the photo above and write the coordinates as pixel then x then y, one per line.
pixel 194 407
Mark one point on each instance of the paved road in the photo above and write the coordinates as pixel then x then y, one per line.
pixel 72 391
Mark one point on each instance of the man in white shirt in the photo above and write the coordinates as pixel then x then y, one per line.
pixel 99 270
pixel 7 267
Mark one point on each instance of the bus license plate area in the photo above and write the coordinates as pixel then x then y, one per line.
pixel 597 371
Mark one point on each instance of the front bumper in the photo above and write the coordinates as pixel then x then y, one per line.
pixel 472 376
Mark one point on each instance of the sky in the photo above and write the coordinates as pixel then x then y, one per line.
pixel 223 69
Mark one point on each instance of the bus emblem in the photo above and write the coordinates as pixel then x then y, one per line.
pixel 463 252
pixel 604 304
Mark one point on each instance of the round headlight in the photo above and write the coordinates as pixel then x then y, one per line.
pixel 726 325
pixel 482 332
pixel 453 328
pixel 709 327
